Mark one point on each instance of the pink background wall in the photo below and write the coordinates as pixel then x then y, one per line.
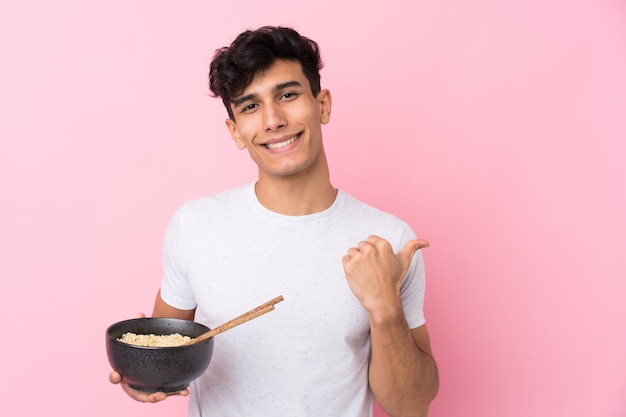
pixel 496 128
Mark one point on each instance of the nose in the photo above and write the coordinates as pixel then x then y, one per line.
pixel 273 118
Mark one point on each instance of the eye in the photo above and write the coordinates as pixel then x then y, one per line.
pixel 289 96
pixel 249 107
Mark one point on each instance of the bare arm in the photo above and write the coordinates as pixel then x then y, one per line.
pixel 161 309
pixel 403 374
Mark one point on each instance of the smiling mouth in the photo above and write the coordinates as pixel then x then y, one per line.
pixel 282 144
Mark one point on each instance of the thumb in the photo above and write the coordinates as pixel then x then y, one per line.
pixel 406 253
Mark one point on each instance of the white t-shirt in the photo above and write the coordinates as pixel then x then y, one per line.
pixel 226 254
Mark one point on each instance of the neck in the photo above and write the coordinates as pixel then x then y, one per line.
pixel 296 195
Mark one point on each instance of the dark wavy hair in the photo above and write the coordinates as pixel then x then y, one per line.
pixel 234 67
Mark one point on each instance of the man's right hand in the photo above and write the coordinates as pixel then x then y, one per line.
pixel 144 397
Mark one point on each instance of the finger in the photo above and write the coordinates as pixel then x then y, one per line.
pixel 184 392
pixel 115 377
pixel 160 397
pixel 361 245
pixel 143 397
pixel 373 239
pixel 156 397
pixel 406 253
pixel 379 243
pixel 353 252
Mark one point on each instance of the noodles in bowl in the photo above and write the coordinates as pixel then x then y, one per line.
pixel 166 340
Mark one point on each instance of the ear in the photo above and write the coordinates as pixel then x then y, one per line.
pixel 234 133
pixel 325 101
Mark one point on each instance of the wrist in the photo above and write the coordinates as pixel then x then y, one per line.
pixel 387 316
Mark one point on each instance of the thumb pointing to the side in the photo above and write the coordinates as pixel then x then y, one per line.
pixel 406 253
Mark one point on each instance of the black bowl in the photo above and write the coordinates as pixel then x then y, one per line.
pixel 152 369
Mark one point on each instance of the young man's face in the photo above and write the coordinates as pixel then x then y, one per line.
pixel 278 120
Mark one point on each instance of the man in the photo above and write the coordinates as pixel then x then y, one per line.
pixel 351 326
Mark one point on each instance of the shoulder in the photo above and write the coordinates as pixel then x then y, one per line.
pixel 213 208
pixel 231 197
pixel 376 221
pixel 358 208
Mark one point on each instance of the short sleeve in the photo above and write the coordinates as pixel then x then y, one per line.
pixel 175 288
pixel 412 290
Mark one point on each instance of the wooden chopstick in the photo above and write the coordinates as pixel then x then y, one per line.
pixel 255 312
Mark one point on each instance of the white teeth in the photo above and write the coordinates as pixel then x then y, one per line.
pixel 281 144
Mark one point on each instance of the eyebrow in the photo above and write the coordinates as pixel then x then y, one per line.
pixel 277 87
